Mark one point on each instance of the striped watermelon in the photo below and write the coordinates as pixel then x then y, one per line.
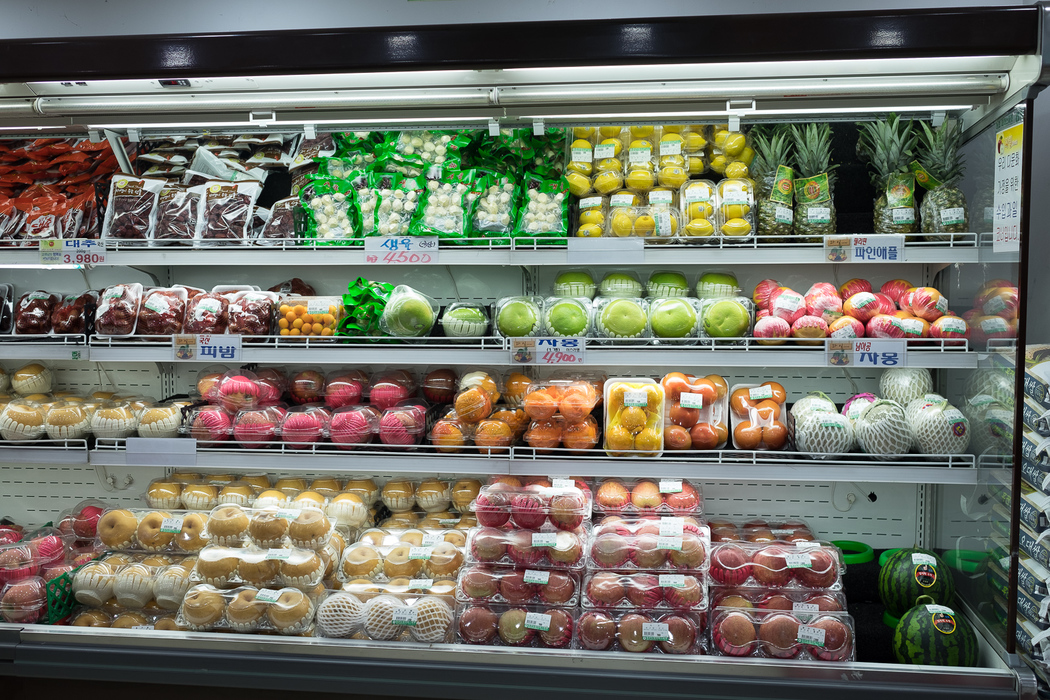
pixel 913 572
pixel 934 635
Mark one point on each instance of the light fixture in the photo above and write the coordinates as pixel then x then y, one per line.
pixel 38 266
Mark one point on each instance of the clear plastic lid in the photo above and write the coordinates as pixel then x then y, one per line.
pixel 519 316
pixel 675 320
pixel 344 388
pixel 566 317
pixel 238 390
pixel 465 320
pixel 353 426
pixel 390 387
pixel 210 426
pixel 563 506
pixel 408 313
pixel 162 311
pixel 481 583
pixel 553 549
pixel 620 283
pixel 802 564
pixel 665 544
pixel 578 283
pixel 782 635
pixel 256 428
pixel 403 425
pixel 622 319
pixel 497 624
pixel 287 610
pixel 304 426
pixel 758 417
pixel 409 611
pixel 645 591
pixel 657 632
pixel 634 411
pixel 23 600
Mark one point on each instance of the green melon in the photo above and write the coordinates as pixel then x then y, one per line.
pixel 935 635
pixel 907 575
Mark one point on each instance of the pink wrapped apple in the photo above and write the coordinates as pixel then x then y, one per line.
pixel 342 389
pixel 771 330
pixel 402 426
pixel 823 301
pixel 884 326
pixel 846 327
pixel 862 306
pixel 886 304
pixel 763 290
pixel 303 426
pixel 951 329
pixel 854 286
pixel 787 304
pixel 809 330
pixel 895 288
pixel 210 426
pixel 256 428
pixel 238 390
pixel 352 426
pixel 928 303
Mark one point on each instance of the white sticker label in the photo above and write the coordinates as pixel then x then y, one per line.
pixel 790 302
pixel 562 483
pixel 605 150
pixel 663 197
pixel 622 200
pixel 160 304
pixel 806 544
pixel 674 543
pixel 903 216
pixel 994 325
pixel 590 203
pixel 697 194
pixel 537 621
pixel 288 513
pixel 533 576
pixel 672 580
pixel 267 595
pixel 544 539
pixel 798 560
pixel 142 627
pixel 582 155
pixel 920 558
pixel 784 215
pixel 953 216
pixel 955 417
pixel 405 617
pixel 813 636
pixel 944 610
pixel 818 215
pixel 911 326
pixel 635 397
pixel 173 525
pixel 994 305
pixel 279 554
pixel 671 148
pixel 671 527
pixel 759 393
pixel 846 331
pixel 421 583
pixel 318 306
pixel 655 632
pixel 692 400
pixel 670 486
pixel 419 553
pixel 805 607
pixel 663 223
pixel 432 538
pixel 640 155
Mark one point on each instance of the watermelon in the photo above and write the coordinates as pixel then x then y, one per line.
pixel 934 635
pixel 913 572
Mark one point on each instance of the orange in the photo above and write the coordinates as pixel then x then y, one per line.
pixel 473 405
pixel 544 434
pixel 741 402
pixel 618 437
pixel 747 436
pixel 575 405
pixel 633 419
pixel 540 405
pixel 580 436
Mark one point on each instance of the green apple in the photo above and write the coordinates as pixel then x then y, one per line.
pixel 668 284
pixel 574 283
pixel 409 316
pixel 620 284
pixel 727 319
pixel 623 318
pixel 567 318
pixel 717 284
pixel 672 318
pixel 518 318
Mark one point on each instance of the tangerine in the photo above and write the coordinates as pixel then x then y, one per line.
pixel 633 419
pixel 540 405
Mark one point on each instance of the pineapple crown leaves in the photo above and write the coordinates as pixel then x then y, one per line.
pixel 773 147
pixel 938 151
pixel 887 146
pixel 813 150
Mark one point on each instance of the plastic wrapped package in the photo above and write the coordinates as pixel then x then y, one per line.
pixel 565 507
pixel 7 299
pixel 389 388
pixel 639 545
pixel 622 319
pixel 225 212
pixel 513 586
pixel 23 600
pixel 152 530
pixel 407 611
pixel 592 216
pixel 408 313
pixel 210 426
pixel 208 314
pixel 404 425
pixel 675 320
pixel 307 386
pixel 518 316
pixel 388 562
pixel 566 317
pixel 401 495
pixel 494 213
pixel 803 602
pixel 177 211
pixel 200 494
pixel 309 316
pixel 252 313
pixel 67 421
pixel 730 152
pixel 465 320
pixel 162 312
pixel 697 412
pixel 640 161
pixel 114 420
pixel 573 400
pixel 256 428
pixel 33 313
pixel 447 207
pixel 329 209
pixel 156 581
pixel 75 314
pixel 757 418
pixel 609 590
pixel 662 497
pixel 658 224
pixel 229 567
pixel 22 420
pixel 344 388
pixel 735 210
pixel 554 549
pixel 497 624
pixel 246 609
pixel 760 530
pixel 727 319
pixel 657 632
pixel 634 411
pixel 353 426
pixel 132 211
pixel 544 211
pixel 782 635
pixel 304 426
pixel 803 564
pixel 281 226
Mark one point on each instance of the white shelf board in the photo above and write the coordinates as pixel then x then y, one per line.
pixel 62 347
pixel 44 452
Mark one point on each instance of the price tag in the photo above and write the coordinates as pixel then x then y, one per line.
pixel 72 251
pixel 903 216
pixel 887 247
pixel 432 538
pixel 939 609
pixel 814 636
pixel 538 577
pixel 544 539
pixel 672 527
pixel 784 215
pixel 798 560
pixel 287 513
pixel 620 200
pixel 612 249
pixel 866 352
pixel 953 216
pixel 655 632
pixel 278 554
pixel 590 203
pixel 670 486
pixel 639 156
pixel 267 595
pixel 806 544
pixel 674 543
pixel 605 150
pixel 449 522
pixel 419 553
pixel 537 621
pixel 671 148
pixel 672 580
pixel 548 351
pixel 691 400
pixel 421 583
pixel 920 558
pixel 557 483
pixel 635 397
pixel 582 155
pixel 661 197
pixel 410 250
pixel 405 617
pixel 818 215
pixel 760 393
pixel 805 607
pixel 201 348
pixel 173 525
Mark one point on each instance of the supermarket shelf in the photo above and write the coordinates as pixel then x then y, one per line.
pixel 706 466
pixel 704 352
pixel 390 668
pixel 44 452
pixel 52 347
pixel 720 251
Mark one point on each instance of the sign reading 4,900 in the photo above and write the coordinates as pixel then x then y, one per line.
pixel 401 251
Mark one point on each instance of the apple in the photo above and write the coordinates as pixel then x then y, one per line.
pixel 1001 301
pixel 717 284
pixel 862 306
pixel 985 328
pixel 928 303
pixel 823 301
pixel 568 318
pixel 809 327
pixel 772 330
pixel 672 318
pixel 895 288
pixel 623 318
pixel 727 319
pixel 762 291
pixel 407 314
pixel 846 327
pixel 86 522
pixel 884 326
pixel 951 327
pixel 854 286
pixel 667 284
pixel 518 318
pixel 787 304
pixel 886 304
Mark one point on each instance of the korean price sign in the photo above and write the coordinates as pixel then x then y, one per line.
pixel 206 348
pixel 402 251
pixel 548 351
pixel 869 248
pixel 866 352
pixel 1006 202
pixel 72 251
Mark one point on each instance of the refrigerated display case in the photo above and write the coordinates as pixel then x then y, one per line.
pixel 978 68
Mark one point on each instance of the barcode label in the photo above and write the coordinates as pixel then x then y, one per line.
pixel 671 527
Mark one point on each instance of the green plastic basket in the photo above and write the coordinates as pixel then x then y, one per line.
pixel 60 600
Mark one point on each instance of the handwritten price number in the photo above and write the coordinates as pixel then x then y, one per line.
pixel 555 357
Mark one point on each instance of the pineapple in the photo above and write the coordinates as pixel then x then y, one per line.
pixel 812 158
pixel 772 149
pixel 888 147
pixel 943 208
